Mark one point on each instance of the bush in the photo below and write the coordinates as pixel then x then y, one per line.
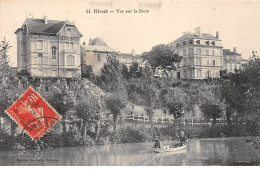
pixel 131 134
pixel 72 139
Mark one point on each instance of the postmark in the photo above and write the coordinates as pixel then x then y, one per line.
pixel 34 114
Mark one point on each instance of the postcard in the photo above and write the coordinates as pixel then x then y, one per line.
pixel 129 83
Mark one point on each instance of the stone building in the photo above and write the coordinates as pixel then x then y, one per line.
pixel 232 60
pixel 95 54
pixel 49 48
pixel 202 56
pixel 129 58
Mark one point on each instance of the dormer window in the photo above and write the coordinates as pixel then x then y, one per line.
pixel 53 52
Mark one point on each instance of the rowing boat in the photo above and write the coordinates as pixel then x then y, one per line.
pixel 168 149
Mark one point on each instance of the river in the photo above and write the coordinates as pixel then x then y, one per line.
pixel 199 152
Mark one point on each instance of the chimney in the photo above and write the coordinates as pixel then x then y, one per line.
pixel 197 31
pixel 45 19
pixel 133 52
pixel 84 43
pixel 217 35
pixel 235 49
pixel 89 42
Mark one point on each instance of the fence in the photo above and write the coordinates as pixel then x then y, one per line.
pixel 167 120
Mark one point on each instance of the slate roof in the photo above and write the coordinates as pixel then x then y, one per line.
pixel 191 35
pixel 97 41
pixel 228 52
pixel 37 26
pixel 98 45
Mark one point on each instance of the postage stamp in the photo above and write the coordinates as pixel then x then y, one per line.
pixel 33 114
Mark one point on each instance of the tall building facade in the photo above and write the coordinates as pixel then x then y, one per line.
pixel 49 48
pixel 202 56
pixel 232 60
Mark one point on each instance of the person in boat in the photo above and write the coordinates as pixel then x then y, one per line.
pixel 157 143
pixel 182 140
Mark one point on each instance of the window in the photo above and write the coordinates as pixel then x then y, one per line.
pixel 199 73
pixel 190 51
pixel 39 44
pixel 184 52
pixel 184 62
pixel 191 73
pixel 178 75
pixel 207 52
pixel 40 59
pixel 207 62
pixel 199 61
pixel 70 60
pixel 213 63
pixel 69 46
pixel 53 52
pixel 213 52
pixel 208 73
pixel 198 51
pixel 66 45
pixel 98 57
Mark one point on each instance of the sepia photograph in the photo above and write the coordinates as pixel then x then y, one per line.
pixel 129 83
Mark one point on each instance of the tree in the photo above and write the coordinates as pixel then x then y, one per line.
pixel 115 102
pixel 135 71
pixel 241 91
pixel 88 109
pixel 9 92
pixel 5 71
pixel 125 72
pixel 233 91
pixel 111 75
pixel 173 100
pixel 161 56
pixel 211 110
pixel 211 103
pixel 60 100
pixel 88 71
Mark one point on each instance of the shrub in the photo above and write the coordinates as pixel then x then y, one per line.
pixel 131 134
pixel 7 142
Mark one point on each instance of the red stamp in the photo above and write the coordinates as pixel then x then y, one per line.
pixel 33 114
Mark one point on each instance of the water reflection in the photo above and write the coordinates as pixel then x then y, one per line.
pixel 198 152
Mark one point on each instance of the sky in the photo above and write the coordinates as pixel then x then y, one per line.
pixel 238 22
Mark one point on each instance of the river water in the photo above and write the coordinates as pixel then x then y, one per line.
pixel 199 152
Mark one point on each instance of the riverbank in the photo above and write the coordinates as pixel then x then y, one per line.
pixel 124 134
